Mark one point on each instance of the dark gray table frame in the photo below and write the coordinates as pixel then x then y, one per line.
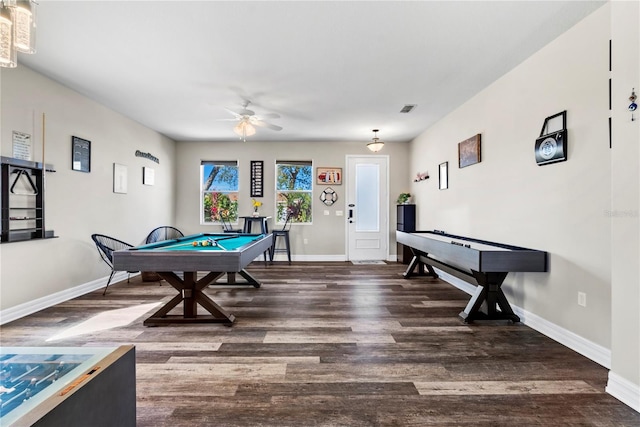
pixel 482 267
pixel 190 289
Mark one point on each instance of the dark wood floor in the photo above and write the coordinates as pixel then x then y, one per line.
pixel 333 344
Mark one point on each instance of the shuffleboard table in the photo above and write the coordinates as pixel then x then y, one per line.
pixel 216 253
pixel 480 262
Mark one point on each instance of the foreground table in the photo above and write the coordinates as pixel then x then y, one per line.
pixel 216 253
pixel 485 264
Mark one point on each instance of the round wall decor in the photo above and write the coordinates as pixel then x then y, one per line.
pixel 328 196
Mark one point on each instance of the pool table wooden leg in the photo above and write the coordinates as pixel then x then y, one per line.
pixel 191 295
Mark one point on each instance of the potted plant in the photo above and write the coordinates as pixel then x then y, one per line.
pixel 403 198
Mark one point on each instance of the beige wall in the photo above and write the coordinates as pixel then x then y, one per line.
pixel 78 204
pixel 326 237
pixel 560 208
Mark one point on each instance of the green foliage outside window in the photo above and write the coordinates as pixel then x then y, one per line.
pixel 220 204
pixel 219 190
pixel 293 191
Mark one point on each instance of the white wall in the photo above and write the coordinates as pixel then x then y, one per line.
pixel 624 378
pixel 78 204
pixel 559 208
pixel 326 237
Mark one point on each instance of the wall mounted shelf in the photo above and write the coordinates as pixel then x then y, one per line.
pixel 22 210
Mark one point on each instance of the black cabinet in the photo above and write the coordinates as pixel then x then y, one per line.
pixel 406 221
pixel 22 201
pixel 406 215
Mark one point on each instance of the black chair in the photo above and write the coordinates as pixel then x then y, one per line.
pixel 106 246
pixel 226 225
pixel 284 233
pixel 163 233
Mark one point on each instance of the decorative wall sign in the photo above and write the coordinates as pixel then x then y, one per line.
pixel 328 196
pixel 469 151
pixel 551 146
pixel 21 145
pixel 257 175
pixel 148 176
pixel 443 175
pixel 80 154
pixel 119 178
pixel 327 176
pixel 147 156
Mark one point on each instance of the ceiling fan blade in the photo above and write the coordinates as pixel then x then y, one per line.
pixel 266 125
pixel 227 120
pixel 269 116
pixel 234 114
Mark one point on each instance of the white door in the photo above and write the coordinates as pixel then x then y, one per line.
pixel 367 208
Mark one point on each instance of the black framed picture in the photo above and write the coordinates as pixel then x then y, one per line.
pixel 257 168
pixel 443 175
pixel 80 154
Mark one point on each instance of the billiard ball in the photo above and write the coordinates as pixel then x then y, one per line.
pixel 195 243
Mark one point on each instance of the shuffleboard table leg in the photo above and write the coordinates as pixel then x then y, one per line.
pixel 412 265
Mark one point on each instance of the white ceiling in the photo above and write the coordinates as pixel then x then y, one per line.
pixel 333 71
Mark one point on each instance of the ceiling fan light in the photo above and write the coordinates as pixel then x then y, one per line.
pixel 24 25
pixel 244 129
pixel 7 50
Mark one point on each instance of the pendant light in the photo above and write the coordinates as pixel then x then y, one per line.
pixel 375 145
pixel 7 50
pixel 24 25
pixel 17 30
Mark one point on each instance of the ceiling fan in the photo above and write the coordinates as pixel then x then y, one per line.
pixel 247 120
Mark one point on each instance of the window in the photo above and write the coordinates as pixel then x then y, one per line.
pixel 219 190
pixel 294 180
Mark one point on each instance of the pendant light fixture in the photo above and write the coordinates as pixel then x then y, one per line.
pixel 375 145
pixel 7 50
pixel 17 30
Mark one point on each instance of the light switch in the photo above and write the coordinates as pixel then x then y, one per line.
pixel 339 213
pixel 326 212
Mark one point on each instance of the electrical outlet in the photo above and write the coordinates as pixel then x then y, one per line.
pixel 582 299
pixel 305 241
pixel 326 212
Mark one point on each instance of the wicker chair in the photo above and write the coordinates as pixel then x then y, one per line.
pixel 163 233
pixel 106 246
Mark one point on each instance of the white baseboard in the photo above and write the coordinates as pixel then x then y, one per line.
pixel 589 349
pixel 624 390
pixel 310 258
pixel 22 310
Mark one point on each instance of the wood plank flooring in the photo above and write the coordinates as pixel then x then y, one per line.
pixel 335 344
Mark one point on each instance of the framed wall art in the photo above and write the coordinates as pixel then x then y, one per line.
pixel 119 178
pixel 469 151
pixel 80 154
pixel 443 175
pixel 329 176
pixel 551 146
pixel 148 176
pixel 257 167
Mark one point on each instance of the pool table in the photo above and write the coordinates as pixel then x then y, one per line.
pixel 216 253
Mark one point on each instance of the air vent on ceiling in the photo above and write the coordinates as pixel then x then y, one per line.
pixel 407 108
